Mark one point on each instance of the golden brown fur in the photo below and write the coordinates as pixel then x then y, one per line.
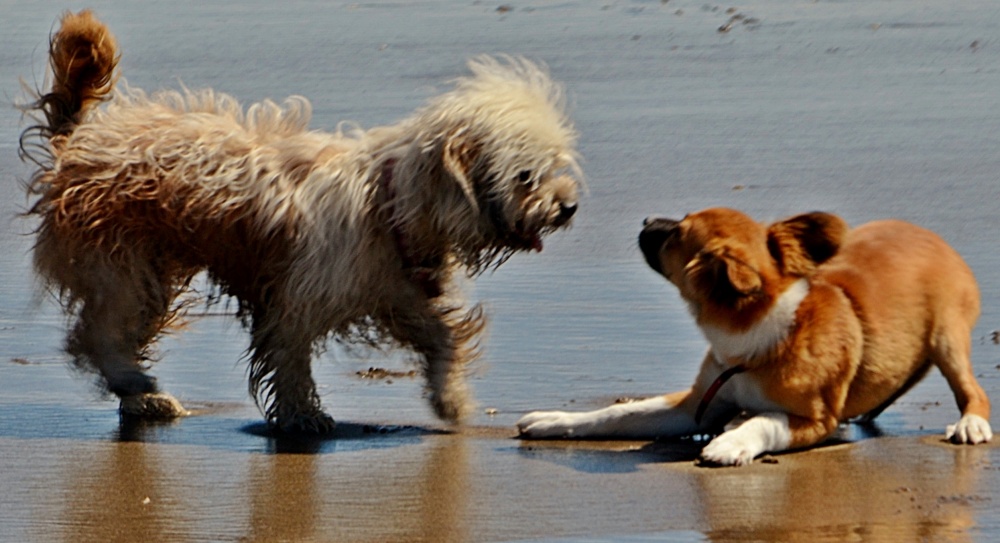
pixel 355 235
pixel 82 59
pixel 823 323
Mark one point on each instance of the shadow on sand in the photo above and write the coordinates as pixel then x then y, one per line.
pixel 609 456
pixel 216 426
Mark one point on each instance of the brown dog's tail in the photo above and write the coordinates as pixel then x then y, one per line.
pixel 83 56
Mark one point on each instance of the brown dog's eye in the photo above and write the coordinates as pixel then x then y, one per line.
pixel 524 177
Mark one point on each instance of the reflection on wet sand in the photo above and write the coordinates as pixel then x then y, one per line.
pixel 284 501
pixel 132 491
pixel 443 488
pixel 842 493
pixel 451 488
pixel 120 493
pixel 879 490
pixel 308 497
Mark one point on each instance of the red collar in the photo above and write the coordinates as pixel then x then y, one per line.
pixel 714 388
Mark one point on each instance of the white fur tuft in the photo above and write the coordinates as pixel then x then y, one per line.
pixel 763 335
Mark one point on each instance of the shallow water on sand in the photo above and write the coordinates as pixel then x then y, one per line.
pixel 869 110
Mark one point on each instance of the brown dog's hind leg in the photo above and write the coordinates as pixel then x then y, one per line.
pixel 950 352
pixel 917 376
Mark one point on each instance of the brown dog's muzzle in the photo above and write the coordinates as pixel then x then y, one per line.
pixel 655 232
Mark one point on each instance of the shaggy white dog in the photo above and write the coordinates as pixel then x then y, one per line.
pixel 354 235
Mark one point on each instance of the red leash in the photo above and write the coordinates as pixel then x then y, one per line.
pixel 712 390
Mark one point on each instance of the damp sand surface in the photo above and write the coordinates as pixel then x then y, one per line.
pixel 866 109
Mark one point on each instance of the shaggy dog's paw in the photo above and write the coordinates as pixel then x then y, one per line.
pixel 551 424
pixel 731 449
pixel 152 406
pixel 132 383
pixel 970 429
pixel 454 405
pixel 318 423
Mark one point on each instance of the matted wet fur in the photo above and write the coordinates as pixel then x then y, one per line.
pixel 355 235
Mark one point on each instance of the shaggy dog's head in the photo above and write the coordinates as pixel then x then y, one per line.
pixel 728 267
pixel 500 149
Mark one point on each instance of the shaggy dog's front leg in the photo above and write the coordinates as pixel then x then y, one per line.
pixel 281 377
pixel 447 339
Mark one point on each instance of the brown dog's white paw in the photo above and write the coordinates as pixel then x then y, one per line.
pixel 768 432
pixel 152 406
pixel 732 449
pixel 969 430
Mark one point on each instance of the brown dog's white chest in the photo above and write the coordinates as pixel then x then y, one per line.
pixel 763 335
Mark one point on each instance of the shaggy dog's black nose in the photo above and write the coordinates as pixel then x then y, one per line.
pixel 655 232
pixel 566 212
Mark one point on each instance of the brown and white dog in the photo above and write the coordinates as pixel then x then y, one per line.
pixel 358 236
pixel 810 324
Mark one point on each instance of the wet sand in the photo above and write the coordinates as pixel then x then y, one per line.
pixel 866 109
pixel 411 484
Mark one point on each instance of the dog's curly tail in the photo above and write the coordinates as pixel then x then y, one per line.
pixel 83 56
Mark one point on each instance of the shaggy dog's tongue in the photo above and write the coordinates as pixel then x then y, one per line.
pixel 536 243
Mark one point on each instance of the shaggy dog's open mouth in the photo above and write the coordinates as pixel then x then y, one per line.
pixel 521 238
pixel 516 235
pixel 519 235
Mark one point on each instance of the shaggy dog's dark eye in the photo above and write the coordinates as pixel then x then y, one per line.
pixel 524 176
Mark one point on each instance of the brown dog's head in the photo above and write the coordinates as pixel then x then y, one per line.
pixel 726 264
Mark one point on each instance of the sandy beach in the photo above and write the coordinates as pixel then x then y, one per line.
pixel 865 109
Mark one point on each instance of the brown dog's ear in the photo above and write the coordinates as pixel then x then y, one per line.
pixel 726 277
pixel 801 243
pixel 458 156
pixel 743 278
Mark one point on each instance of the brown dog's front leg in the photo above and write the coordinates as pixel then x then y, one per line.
pixel 671 415
pixel 767 432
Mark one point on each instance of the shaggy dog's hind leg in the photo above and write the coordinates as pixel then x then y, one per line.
pixel 98 342
pixel 118 318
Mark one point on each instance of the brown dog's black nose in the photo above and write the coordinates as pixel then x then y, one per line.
pixel 659 223
pixel 655 232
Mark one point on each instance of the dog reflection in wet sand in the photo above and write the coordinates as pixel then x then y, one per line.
pixel 810 324
pixel 360 236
